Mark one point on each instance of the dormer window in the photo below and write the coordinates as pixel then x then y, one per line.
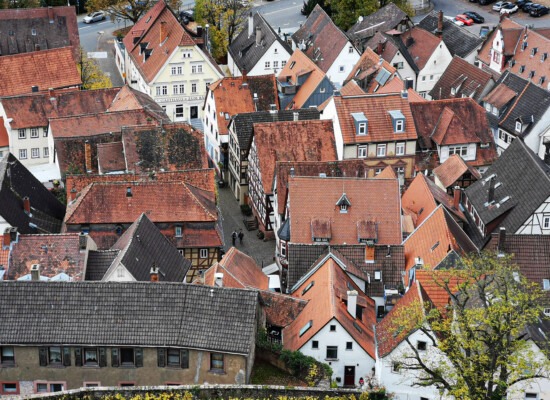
pixel 523 45
pixel 320 230
pixel 531 74
pixel 361 123
pixel 541 80
pixel 487 107
pixel 543 57
pixel 343 203
pixel 522 69
pixel 518 126
pixel 534 51
pixel 398 121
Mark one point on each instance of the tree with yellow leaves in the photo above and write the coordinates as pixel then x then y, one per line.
pixel 91 75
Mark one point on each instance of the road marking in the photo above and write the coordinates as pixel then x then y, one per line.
pixel 97 54
pixel 281 10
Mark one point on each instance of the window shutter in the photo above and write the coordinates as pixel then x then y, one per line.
pixel 138 353
pixel 161 357
pixel 184 358
pixel 102 357
pixel 67 356
pixel 114 357
pixel 78 357
pixel 43 356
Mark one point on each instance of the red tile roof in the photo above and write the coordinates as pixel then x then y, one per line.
pixel 310 140
pixel 4 138
pixel 423 45
pixel 387 173
pixel 432 284
pixel 500 96
pixel 110 157
pixel 376 109
pixel 451 129
pixel 108 203
pixel 326 302
pixel 242 95
pixel 199 235
pixel 4 253
pixel 45 69
pixel 369 63
pixel 452 169
pixel 349 89
pixel 371 200
pixel 148 31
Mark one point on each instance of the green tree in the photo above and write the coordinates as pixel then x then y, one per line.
pixel 91 74
pixel 20 3
pixel 481 333
pixel 345 13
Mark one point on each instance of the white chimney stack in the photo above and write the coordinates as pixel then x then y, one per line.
pixel 250 24
pixel 352 303
pixel 35 272
pixel 218 279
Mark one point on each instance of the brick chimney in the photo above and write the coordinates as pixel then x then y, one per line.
pixel 27 204
pixel 50 14
pixel 491 191
pixel 501 240
pixel 163 32
pixel 82 241
pixel 439 30
pixel 352 303
pixel 456 197
pixel 88 156
pixel 258 36
pixel 154 273
pixel 7 237
pixel 35 272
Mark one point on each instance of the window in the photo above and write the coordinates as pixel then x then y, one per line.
pixel 179 110
pixel 349 345
pixel 267 64
pixel 22 133
pixel 398 65
pixel 127 356
pixel 283 63
pixel 377 275
pixel 522 69
pixel 175 357
pixel 362 151
pixel 460 150
pixel 420 345
pixel 7 356
pixel 216 362
pixel 341 68
pixel 91 358
pixel 91 384
pixel 193 88
pixel 9 388
pixel 362 130
pixel 546 284
pixel 315 344
pixel 55 356
pixel 306 327
pixel 178 231
pixel 400 148
pixel 45 387
pixel 162 90
pixel 323 90
pixel 309 286
pixel 546 222
pixel 350 49
pixel 196 69
pixel 35 152
pixel 487 107
pixel 275 64
pixel 531 396
pixel 126 384
pixel 34 133
pixel 332 353
pixel 203 253
pixel 395 367
pixel 424 79
pixel 46 152
pixel 333 328
pixel 173 71
pixel 377 171
pixel 518 126
pixel 381 150
pixel 431 77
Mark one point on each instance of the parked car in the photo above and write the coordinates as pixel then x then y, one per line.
pixel 455 21
pixel 478 19
pixel 537 10
pixel 509 9
pixel 521 3
pixel 485 2
pixel 465 19
pixel 527 7
pixel 94 17
pixel 498 6
pixel 484 31
pixel 187 16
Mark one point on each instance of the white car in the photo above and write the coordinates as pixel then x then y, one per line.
pixel 509 9
pixel 455 21
pixel 498 6
pixel 94 17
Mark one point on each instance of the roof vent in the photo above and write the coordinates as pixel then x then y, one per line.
pixel 35 272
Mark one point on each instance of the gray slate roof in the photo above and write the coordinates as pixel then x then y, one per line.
pixel 524 177
pixel 98 263
pixel 243 49
pixel 458 40
pixel 383 20
pixel 16 182
pixel 243 123
pixel 128 313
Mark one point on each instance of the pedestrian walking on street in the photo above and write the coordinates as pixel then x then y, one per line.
pixel 241 236
pixel 234 237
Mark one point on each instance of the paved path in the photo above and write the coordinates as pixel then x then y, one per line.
pixel 262 252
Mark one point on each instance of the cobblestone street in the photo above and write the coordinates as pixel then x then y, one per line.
pixel 262 252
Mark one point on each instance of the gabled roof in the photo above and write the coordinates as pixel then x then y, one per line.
pixel 452 169
pixel 82 313
pixel 36 29
pixel 451 129
pixel 387 173
pixel 461 79
pixel 299 66
pixel 310 140
pixel 243 124
pixel 284 169
pixel 132 99
pixel 328 289
pixel 387 46
pixel 376 109
pixel 382 20
pixel 16 182
pixel 108 203
pixel 521 191
pixel 372 69
pixel 422 45
pixel 458 40
pixel 243 95
pixel 375 200
pixel 98 263
pixel 142 247
pixel 434 239
pixel 320 39
pixel 46 69
pixel 244 50
pixel 56 254
pixel 511 32
pixel 349 89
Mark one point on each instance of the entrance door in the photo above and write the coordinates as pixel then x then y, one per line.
pixel 349 376
pixel 194 112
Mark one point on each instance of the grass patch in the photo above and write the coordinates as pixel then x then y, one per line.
pixel 264 373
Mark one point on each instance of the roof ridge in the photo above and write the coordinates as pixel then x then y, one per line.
pixel 515 102
pixel 422 223
pixel 197 201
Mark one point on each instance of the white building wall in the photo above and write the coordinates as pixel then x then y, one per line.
pixel 470 156
pixel 210 124
pixel 118 274
pixel 356 357
pixel 497 51
pixel 330 113
pixel 406 71
pixel 534 225
pixel 341 67
pixel 276 55
pixel 434 68
pixel 539 386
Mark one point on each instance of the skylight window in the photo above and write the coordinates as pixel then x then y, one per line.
pixel 306 327
pixel 306 289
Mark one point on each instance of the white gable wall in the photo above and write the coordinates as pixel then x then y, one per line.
pixel 276 55
pixel 118 273
pixel 343 64
pixel 539 386
pixel 534 225
pixel 434 68
pixel 330 113
pixel 406 71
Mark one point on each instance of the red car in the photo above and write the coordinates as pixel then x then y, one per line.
pixel 464 19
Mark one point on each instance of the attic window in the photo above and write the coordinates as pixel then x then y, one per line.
pixel 541 80
pixel 129 191
pixel 546 284
pixel 531 74
pixel 306 327
pixel 377 275
pixel 343 203
pixel 543 57
pixel 522 69
pixel 356 326
pixel 534 51
pixel 361 123
pixel 518 126
pixel 434 246
pixel 512 63
pixel 148 19
pixel 523 45
pixel 306 289
pixel 33 32
pixel 292 64
pixel 398 120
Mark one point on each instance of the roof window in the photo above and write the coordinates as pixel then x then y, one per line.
pixel 361 123
pixel 534 51
pixel 306 327
pixel 398 120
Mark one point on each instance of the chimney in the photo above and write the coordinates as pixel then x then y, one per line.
pixel 491 191
pixel 34 89
pixel 35 272
pixel 352 303
pixel 218 279
pixel 255 99
pixel 7 237
pixel 154 273
pixel 50 14
pixel 501 240
pixel 199 31
pixel 88 155
pixel 82 241
pixel 245 77
pixel 163 32
pixel 250 24
pixel 292 172
pixel 456 197
pixel 418 262
pixel 258 36
pixel 369 254
pixel 27 204
pixel 404 91
pixel 36 47
pixel 13 234
pixel 295 116
pixel 379 48
pixel 439 30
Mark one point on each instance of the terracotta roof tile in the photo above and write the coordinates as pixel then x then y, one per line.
pixel 131 99
pixel 4 253
pixel 108 203
pixel 349 89
pixel 326 301
pixel 110 157
pixel 309 140
pixel 431 283
pixel 452 169
pixel 4 138
pixel 369 66
pixel 371 200
pixel 376 109
pixel 53 68
pixel 238 267
pixel 387 173
pixel 451 129
pixel 423 45
pixel 500 96
pixel 199 235
pixel 237 95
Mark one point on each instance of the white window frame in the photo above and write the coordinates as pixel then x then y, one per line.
pixel 518 126
pixel 178 231
pixel 275 64
pixel 182 113
pixel 381 150
pixel 267 65
pixel 46 152
pixel 35 152
pixel 193 88
pixel 22 133
pixel 400 148
pixel 34 133
pixel 362 151
pixel 399 125
pixel 462 151
pixel 362 128
pixel 203 253
pixel 546 222
pixel 22 154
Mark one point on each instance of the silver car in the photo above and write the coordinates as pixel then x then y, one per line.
pixel 94 17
